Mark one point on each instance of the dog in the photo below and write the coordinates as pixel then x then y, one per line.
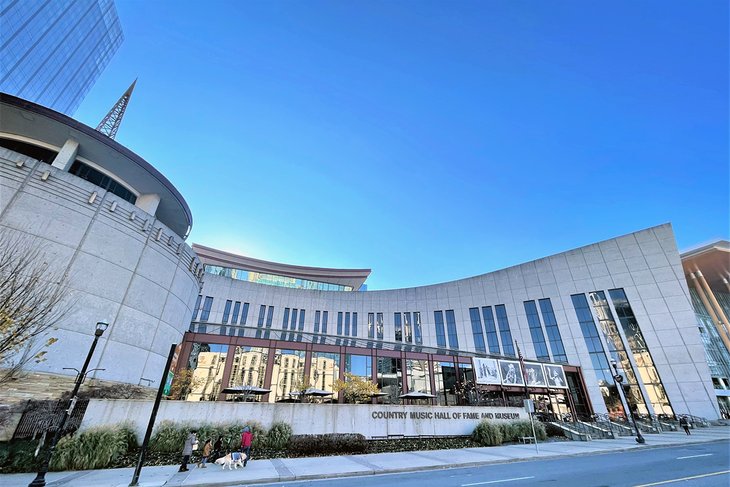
pixel 231 460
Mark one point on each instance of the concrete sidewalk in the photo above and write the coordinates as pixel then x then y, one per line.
pixel 277 470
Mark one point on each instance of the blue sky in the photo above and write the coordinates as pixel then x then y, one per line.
pixel 429 141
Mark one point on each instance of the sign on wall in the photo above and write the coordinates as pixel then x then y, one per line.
pixel 535 375
pixel 555 376
pixel 486 370
pixel 511 373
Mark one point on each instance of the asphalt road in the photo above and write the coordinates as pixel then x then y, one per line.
pixel 705 464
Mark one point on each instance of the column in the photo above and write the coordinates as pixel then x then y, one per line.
pixel 710 310
pixel 148 203
pixel 67 155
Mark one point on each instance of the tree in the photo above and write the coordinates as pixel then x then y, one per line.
pixel 356 389
pixel 183 383
pixel 30 303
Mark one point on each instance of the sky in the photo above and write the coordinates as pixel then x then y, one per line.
pixel 428 141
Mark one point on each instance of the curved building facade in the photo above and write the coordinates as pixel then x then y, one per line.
pixel 109 222
pixel 623 299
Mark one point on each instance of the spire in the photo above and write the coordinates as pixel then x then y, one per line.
pixel 112 120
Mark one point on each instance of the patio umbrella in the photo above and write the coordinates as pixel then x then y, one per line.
pixel 257 391
pixel 379 394
pixel 416 395
pixel 317 392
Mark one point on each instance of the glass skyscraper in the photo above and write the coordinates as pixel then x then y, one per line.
pixel 53 51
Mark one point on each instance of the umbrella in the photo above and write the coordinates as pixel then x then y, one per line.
pixel 258 391
pixel 317 392
pixel 416 395
pixel 379 394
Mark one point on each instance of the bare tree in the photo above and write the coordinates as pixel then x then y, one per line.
pixel 30 303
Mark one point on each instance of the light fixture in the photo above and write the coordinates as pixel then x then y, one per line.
pixel 101 327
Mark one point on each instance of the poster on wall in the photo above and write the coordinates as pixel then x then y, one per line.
pixel 486 370
pixel 511 373
pixel 555 376
pixel 534 375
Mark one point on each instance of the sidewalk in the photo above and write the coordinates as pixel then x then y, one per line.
pixel 276 470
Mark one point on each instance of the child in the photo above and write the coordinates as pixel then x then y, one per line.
pixel 206 452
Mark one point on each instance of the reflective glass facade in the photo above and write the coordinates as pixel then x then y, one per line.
pixel 52 52
pixel 273 279
pixel 553 332
pixel 538 337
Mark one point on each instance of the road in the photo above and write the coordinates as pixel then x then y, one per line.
pixel 705 464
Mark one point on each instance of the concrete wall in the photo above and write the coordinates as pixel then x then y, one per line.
pixel 369 420
pixel 645 264
pixel 130 271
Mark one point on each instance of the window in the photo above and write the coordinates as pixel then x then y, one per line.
pixel 249 368
pixel 196 309
pixel 324 321
pixel 417 327
pixel 93 176
pixel 504 332
pixel 339 322
pixel 371 325
pixel 301 320
pixel 285 321
pixel 398 327
pixel 379 325
pixel 294 318
pixel 269 317
pixel 438 317
pixel 325 371
pixel 476 330
pixel 407 327
pixel 236 310
pixel 244 315
pixel 226 311
pixel 538 337
pixel 553 332
pixel 492 339
pixel 354 324
pixel 317 315
pixel 451 328
pixel 207 362
pixel 390 378
pixel 262 315
pixel 347 323
pixel 205 313
pixel 418 376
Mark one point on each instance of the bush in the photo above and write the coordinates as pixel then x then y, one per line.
pixel 333 443
pixel 487 434
pixel 279 435
pixel 169 437
pixel 518 429
pixel 93 448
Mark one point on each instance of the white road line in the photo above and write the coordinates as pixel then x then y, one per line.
pixel 496 481
pixel 696 456
pixel 685 478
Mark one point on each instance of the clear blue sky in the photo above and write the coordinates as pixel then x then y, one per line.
pixel 428 141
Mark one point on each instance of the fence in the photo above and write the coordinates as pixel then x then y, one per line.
pixel 45 416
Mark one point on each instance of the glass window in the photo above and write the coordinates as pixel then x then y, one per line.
pixel 226 311
pixel 417 327
pixel 339 322
pixel 262 315
pixel 451 328
pixel 301 319
pixel 407 327
pixel 294 318
pixel 438 317
pixel 538 337
pixel 398 327
pixel 553 332
pixel 390 378
pixel 354 324
pixel 244 314
pixel 207 305
pixel 419 376
pixel 504 331
pixel 285 321
pixel 324 372
pixel 248 369
pixel 207 361
pixel 489 325
pixel 324 321
pixel 379 325
pixel 236 310
pixel 359 365
pixel 287 378
pixel 476 330
pixel 347 324
pixel 445 378
pixel 316 321
pixel 371 325
pixel 269 317
pixel 196 309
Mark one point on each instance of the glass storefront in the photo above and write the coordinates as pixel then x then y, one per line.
pixel 324 372
pixel 287 378
pixel 390 379
pixel 207 363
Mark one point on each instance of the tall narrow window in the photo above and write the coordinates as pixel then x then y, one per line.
pixel 197 308
pixel 417 331
pixel 491 329
pixel 553 333
pixel 324 321
pixel 504 332
pixel 438 318
pixel 371 325
pixel 207 305
pixel 262 315
pixel 269 317
pixel 451 328
pixel 476 330
pixel 538 337
pixel 244 314
pixel 339 322
pixel 408 332
pixel 301 319
pixel 236 310
pixel 317 314
pixel 294 317
pixel 227 311
pixel 647 371
pixel 347 324
pixel 379 325
pixel 354 324
pixel 285 321
pixel 397 325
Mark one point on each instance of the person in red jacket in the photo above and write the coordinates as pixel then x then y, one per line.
pixel 246 439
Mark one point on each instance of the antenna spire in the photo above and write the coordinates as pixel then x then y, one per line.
pixel 109 125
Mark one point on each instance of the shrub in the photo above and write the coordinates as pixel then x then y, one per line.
pixel 339 443
pixel 278 436
pixel 487 434
pixel 169 437
pixel 93 448
pixel 519 429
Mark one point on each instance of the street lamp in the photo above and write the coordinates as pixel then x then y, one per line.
pixel 40 479
pixel 618 379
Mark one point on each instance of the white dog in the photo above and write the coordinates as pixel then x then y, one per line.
pixel 231 460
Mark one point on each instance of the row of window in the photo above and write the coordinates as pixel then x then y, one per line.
pixel 273 279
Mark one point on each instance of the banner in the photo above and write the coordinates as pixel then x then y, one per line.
pixel 535 375
pixel 511 373
pixel 486 370
pixel 555 376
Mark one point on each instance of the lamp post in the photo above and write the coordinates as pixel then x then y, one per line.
pixel 618 379
pixel 40 479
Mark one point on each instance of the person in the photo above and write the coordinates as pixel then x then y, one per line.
pixel 191 443
pixel 217 448
pixel 207 447
pixel 684 423
pixel 246 439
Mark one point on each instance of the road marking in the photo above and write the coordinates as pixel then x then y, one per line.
pixel 696 456
pixel 685 478
pixel 496 481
